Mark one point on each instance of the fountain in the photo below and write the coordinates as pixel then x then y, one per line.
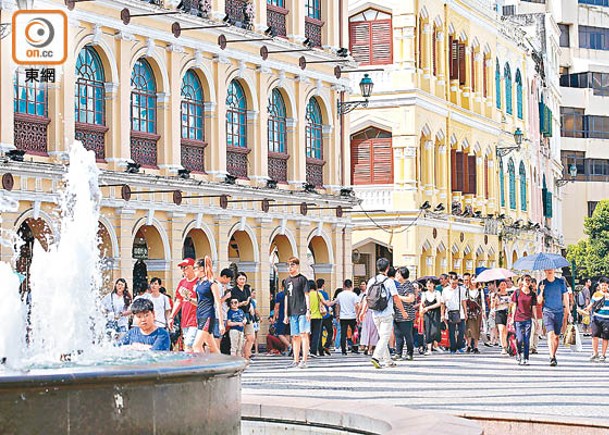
pixel 69 378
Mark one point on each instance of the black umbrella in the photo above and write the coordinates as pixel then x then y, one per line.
pixel 423 279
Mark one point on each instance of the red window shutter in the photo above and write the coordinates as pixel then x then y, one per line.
pixel 461 63
pixel 381 41
pixel 359 41
pixel 473 72
pixel 360 162
pixel 453 48
pixel 471 174
pixel 453 169
pixel 434 53
pixel 460 168
pixel 382 161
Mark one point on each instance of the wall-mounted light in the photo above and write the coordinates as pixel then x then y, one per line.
pixel 425 206
pixel 184 173
pixel 133 167
pixel 504 151
pixel 15 155
pixel 572 175
pixel 309 188
pixel 366 85
pixel 271 184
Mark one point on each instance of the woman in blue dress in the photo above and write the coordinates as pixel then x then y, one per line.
pixel 209 312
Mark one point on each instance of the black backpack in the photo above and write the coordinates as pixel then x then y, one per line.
pixel 377 296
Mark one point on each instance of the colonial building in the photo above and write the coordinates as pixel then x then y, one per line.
pixel 187 94
pixel 450 144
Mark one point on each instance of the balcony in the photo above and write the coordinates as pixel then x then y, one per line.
pixel 199 8
pixel 276 19
pixel 313 31
pixel 193 155
pixel 144 148
pixel 31 133
pixel 241 13
pixel 315 172
pixel 93 138
pixel 375 197
pixel 236 161
pixel 278 167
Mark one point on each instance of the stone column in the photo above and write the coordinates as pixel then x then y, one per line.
pixel 170 154
pixel 223 224
pixel 126 221
pixel 295 20
pixel 261 159
pixel 217 152
pixel 264 268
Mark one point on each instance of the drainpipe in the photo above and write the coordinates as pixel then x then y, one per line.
pixel 342 139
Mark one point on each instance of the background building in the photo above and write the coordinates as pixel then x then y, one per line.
pixel 136 92
pixel 436 147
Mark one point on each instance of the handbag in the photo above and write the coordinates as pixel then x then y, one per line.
pixel 570 338
pixel 454 316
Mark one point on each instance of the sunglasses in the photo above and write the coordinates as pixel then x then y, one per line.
pixel 292 264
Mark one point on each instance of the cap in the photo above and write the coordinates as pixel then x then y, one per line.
pixel 187 262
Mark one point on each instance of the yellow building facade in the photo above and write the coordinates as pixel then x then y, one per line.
pixel 199 118
pixel 433 148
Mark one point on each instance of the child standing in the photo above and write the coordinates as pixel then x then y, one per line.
pixel 235 320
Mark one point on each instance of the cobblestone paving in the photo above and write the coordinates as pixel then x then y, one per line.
pixel 485 384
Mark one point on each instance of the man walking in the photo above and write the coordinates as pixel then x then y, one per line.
pixel 403 327
pixel 186 303
pixel 381 297
pixel 555 301
pixel 583 300
pixel 298 312
pixel 454 297
pixel 346 312
pixel 326 323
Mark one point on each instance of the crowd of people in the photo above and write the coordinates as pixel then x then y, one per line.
pixel 387 317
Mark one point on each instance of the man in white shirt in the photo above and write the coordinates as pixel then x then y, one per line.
pixel 162 307
pixel 347 304
pixel 383 319
pixel 454 312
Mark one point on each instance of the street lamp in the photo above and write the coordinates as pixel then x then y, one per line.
pixel 572 174
pixel 504 151
pixel 365 86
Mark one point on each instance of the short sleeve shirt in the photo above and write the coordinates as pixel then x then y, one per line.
pixel 347 300
pixel 553 294
pixel 189 310
pixel 525 304
pixel 296 287
pixel 451 298
pixel 157 339
pixel 389 285
pixel 404 289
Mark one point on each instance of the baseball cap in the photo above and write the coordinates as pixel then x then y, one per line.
pixel 187 262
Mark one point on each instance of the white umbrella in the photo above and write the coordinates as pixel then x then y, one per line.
pixel 495 274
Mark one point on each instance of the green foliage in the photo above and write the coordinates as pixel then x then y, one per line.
pixel 591 254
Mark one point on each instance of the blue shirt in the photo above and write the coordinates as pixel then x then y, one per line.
pixel 158 339
pixel 552 295
pixel 280 299
pixel 236 316
pixel 205 301
pixel 328 312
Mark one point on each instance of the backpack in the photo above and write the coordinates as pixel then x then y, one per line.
pixel 377 296
pixel 581 299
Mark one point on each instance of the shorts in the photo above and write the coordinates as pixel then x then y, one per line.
pixel 209 325
pixel 552 321
pixel 248 329
pixel 189 335
pixel 501 317
pixel 299 325
pixel 600 329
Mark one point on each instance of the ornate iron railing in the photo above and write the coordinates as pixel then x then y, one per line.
pixel 31 133
pixel 313 31
pixel 278 167
pixel 93 138
pixel 236 161
pixel 315 172
pixel 241 12
pixel 200 8
pixel 144 148
pixel 276 19
pixel 193 155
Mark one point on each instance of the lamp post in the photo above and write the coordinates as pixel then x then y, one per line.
pixel 366 85
pixel 504 151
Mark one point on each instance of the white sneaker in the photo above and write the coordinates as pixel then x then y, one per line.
pixel 525 362
pixel 427 352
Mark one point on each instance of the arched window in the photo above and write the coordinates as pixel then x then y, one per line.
pixel 497 84
pixel 193 123
pixel 277 137
pixel 30 104
pixel 314 143
pixel 371 157
pixel 501 184
pixel 523 187
pixel 143 98
pixel 90 92
pixel 192 107
pixel 507 75
pixel 518 94
pixel 512 183
pixel 276 123
pixel 371 37
pixel 236 116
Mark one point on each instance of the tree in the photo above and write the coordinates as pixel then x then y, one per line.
pixel 590 254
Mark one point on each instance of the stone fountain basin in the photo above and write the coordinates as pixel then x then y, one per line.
pixel 195 394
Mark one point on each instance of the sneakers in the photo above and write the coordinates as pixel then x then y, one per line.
pixel 487 344
pixel 461 350
pixel 468 350
pixel 375 362
pixel 594 357
pixel 397 357
pixel 553 362
pixel 525 362
pixel 389 364
pixel 602 358
pixel 313 355
pixel 518 357
pixel 292 365
pixel 303 365
pixel 520 361
pixel 427 353
pixel 475 350
pixel 408 358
